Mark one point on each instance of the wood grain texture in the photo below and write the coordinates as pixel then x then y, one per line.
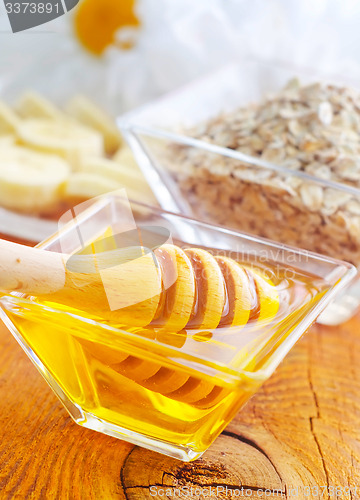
pixel 301 429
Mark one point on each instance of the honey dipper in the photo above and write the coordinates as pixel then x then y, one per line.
pixel 175 290
pixel 187 288
pixel 247 295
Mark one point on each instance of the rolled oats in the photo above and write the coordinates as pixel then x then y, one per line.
pixel 313 129
pixel 353 207
pixel 325 113
pixel 312 196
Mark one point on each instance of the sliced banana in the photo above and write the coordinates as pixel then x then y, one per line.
pixel 130 178
pixel 111 169
pixel 89 114
pixel 124 156
pixel 9 122
pixel 31 181
pixel 66 139
pixel 88 185
pixel 52 144
pixel 7 140
pixel 33 105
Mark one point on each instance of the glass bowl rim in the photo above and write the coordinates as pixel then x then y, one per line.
pixel 132 129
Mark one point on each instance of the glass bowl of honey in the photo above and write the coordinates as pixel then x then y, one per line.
pixel 228 309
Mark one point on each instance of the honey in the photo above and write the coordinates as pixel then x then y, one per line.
pixel 155 384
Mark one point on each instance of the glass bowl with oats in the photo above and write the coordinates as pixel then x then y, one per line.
pixel 266 149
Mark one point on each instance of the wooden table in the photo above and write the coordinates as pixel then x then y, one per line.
pixel 301 430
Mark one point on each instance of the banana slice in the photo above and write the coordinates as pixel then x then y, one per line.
pixel 124 156
pixel 33 105
pixel 85 185
pixel 9 122
pixel 131 179
pixel 89 114
pixel 7 141
pixel 66 139
pixel 30 181
pixel 111 169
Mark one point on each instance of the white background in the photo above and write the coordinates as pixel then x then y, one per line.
pixel 179 40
